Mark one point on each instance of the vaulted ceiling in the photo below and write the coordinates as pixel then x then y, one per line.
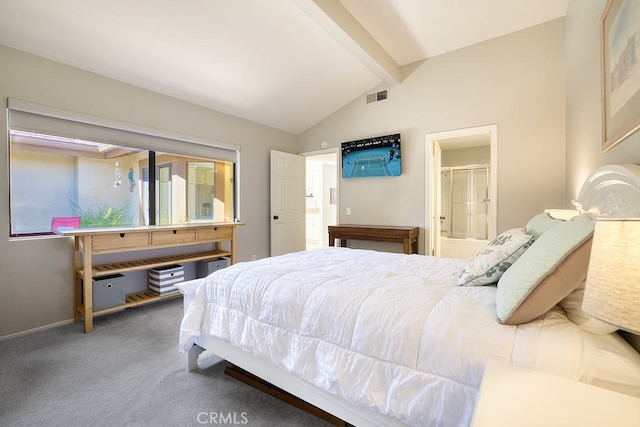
pixel 282 63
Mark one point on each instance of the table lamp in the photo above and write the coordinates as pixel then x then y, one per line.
pixel 612 291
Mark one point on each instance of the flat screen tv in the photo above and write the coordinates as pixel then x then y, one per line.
pixel 379 156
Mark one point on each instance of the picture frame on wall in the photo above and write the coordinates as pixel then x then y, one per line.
pixel 620 52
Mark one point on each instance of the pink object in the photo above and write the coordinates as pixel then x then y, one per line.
pixel 65 222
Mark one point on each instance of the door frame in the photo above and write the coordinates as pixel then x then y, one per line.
pixel 335 151
pixel 433 160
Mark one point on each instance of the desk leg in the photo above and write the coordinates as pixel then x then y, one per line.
pixel 87 288
pixel 77 297
pixel 332 239
pixel 77 281
pixel 232 244
pixel 343 243
pixel 407 246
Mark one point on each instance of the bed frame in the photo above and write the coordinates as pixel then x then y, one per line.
pixel 610 191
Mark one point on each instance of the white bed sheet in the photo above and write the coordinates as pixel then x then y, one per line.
pixel 391 332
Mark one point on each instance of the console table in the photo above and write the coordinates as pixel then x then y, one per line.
pixel 89 242
pixel 408 236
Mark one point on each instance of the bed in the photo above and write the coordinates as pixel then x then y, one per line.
pixel 388 339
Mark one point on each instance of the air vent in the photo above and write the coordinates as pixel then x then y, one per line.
pixel 376 96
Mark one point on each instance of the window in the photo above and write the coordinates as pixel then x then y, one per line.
pixel 108 184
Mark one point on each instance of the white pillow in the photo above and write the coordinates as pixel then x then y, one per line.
pixel 572 304
pixel 492 261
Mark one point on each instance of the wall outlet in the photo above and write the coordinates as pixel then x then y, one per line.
pixel 348 211
pixel 253 257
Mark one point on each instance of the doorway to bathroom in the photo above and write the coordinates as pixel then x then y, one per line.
pixel 462 183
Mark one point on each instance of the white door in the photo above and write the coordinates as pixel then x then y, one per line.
pixel 287 203
pixel 436 201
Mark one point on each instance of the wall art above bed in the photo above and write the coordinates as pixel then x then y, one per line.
pixel 620 50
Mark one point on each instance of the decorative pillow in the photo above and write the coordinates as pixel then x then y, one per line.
pixel 492 261
pixel 540 223
pixel 554 265
pixel 572 304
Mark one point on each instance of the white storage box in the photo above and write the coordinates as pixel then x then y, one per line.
pixel 162 280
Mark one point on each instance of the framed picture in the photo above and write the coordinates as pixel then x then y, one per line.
pixel 620 50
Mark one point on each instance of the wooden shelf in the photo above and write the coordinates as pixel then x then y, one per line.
pixel 91 242
pixel 134 300
pixel 142 264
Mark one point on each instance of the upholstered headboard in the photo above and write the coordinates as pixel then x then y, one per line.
pixel 613 191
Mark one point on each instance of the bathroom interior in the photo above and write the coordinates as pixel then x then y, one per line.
pixel 465 222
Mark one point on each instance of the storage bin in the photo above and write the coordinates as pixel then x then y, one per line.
pixel 108 291
pixel 162 280
pixel 208 266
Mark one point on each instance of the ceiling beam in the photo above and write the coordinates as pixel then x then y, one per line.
pixel 336 20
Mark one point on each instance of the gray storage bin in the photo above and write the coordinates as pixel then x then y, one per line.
pixel 208 266
pixel 108 291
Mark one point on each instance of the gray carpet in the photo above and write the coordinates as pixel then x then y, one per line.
pixel 128 372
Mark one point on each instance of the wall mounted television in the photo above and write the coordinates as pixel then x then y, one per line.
pixel 378 156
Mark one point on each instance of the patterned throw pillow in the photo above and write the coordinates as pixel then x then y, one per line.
pixel 492 261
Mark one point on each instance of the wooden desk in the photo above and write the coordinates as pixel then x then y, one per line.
pixel 377 233
pixel 95 241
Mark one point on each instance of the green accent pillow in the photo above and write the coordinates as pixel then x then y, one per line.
pixel 492 261
pixel 554 266
pixel 540 223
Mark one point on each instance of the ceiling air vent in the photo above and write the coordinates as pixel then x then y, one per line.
pixel 376 96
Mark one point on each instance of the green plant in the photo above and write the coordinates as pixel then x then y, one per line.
pixel 102 216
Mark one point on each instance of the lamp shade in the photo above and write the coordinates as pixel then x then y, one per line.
pixel 612 292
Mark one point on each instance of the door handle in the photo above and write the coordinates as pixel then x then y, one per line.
pixel 275 217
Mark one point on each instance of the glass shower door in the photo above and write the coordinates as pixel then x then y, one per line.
pixel 465 202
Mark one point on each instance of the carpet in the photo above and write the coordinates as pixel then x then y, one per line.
pixel 128 372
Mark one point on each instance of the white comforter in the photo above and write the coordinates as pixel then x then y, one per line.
pixel 391 332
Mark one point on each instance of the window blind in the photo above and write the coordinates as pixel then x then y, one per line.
pixel 30 117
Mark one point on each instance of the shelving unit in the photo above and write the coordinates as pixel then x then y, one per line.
pixel 96 241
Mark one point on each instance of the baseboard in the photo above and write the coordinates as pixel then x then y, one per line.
pixel 38 329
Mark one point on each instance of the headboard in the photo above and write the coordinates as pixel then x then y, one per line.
pixel 613 191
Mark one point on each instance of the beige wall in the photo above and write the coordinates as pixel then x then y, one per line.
pixel 516 81
pixel 584 123
pixel 36 274
pixel 466 156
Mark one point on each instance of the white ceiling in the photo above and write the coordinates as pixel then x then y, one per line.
pixel 283 63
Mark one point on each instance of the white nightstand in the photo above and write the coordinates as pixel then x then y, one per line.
pixel 514 396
